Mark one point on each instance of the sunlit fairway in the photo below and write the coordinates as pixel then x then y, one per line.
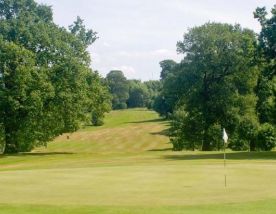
pixel 126 166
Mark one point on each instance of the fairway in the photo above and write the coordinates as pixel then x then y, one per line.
pixel 127 166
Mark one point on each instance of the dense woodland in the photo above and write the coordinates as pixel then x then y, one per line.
pixel 226 79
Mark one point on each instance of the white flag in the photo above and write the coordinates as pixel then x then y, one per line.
pixel 225 136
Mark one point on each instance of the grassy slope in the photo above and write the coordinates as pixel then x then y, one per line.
pixel 125 167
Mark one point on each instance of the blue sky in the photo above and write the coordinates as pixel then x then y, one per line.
pixel 135 35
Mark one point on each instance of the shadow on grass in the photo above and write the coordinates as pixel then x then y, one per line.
pixel 149 121
pixel 164 132
pixel 34 154
pixel 231 156
pixel 160 150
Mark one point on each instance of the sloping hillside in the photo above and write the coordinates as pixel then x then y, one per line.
pixel 127 166
pixel 131 130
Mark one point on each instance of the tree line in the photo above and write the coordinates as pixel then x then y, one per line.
pixel 131 93
pixel 46 84
pixel 47 87
pixel 225 80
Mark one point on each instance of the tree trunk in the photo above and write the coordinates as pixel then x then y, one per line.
pixel 10 148
pixel 252 146
pixel 206 147
pixel 206 144
pixel 11 145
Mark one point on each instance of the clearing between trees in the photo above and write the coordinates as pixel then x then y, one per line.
pixel 127 166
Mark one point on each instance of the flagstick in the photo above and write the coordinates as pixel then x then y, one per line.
pixel 225 139
pixel 225 184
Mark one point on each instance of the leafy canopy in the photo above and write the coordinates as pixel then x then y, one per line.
pixel 46 85
pixel 213 86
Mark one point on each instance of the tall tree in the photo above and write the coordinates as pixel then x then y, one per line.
pixel 166 100
pixel 167 67
pixel 138 94
pixel 100 99
pixel 154 89
pixel 44 73
pixel 119 89
pixel 266 89
pixel 215 83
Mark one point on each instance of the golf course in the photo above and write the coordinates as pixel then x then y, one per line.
pixel 127 166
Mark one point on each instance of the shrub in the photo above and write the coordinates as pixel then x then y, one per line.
pixel 266 137
pixel 248 131
pixel 121 106
pixel 97 120
pixel 185 131
pixel 178 144
pixel 238 144
pixel 214 137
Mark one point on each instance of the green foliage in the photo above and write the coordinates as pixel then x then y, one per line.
pixel 214 84
pixel 266 89
pixel 131 93
pixel 245 137
pixel 266 92
pixel 160 105
pixel 119 88
pixel 44 75
pixel 88 37
pixel 154 89
pixel 248 131
pixel 266 137
pixel 184 132
pixel 168 97
pixel 167 67
pixel 238 144
pixel 100 99
pixel 214 136
pixel 267 36
pixel 2 139
pixel 138 94
pixel 23 93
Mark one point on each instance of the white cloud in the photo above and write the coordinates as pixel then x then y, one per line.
pixel 158 53
pixel 163 53
pixel 106 44
pixel 96 58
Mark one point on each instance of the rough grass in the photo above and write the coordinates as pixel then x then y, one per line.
pixel 126 167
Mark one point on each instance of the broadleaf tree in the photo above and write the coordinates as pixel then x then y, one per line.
pixel 266 89
pixel 138 94
pixel 119 89
pixel 44 75
pixel 214 85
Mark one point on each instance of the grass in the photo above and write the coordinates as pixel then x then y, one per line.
pixel 127 167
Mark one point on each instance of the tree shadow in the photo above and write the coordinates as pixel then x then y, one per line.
pixel 160 150
pixel 34 154
pixel 164 132
pixel 231 156
pixel 149 121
